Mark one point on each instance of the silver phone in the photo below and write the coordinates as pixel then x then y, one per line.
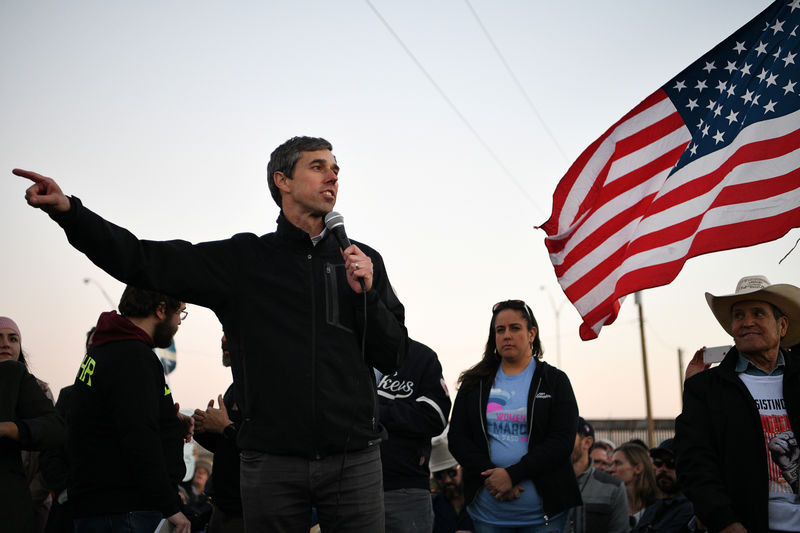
pixel 715 354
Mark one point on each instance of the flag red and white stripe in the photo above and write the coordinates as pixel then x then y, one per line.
pixel 627 216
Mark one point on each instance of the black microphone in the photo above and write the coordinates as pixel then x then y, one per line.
pixel 335 224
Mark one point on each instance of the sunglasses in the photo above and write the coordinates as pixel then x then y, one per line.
pixel 450 472
pixel 513 304
pixel 669 463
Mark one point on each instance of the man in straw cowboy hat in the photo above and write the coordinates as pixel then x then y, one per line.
pixel 737 452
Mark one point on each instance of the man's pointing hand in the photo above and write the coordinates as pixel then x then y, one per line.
pixel 44 194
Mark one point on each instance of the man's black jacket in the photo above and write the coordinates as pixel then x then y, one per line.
pixel 294 325
pixel 722 456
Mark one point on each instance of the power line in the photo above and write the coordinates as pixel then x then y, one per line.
pixel 460 115
pixel 517 83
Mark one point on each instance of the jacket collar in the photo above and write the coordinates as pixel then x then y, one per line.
pixel 292 234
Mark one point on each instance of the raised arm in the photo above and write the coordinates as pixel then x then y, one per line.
pixel 203 274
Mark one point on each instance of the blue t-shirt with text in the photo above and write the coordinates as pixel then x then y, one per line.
pixel 507 425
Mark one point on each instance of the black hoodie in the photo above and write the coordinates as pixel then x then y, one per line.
pixel 125 440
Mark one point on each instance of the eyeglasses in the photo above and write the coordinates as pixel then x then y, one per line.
pixel 184 313
pixel 450 472
pixel 513 304
pixel 669 463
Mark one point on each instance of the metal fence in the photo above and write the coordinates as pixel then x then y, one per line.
pixel 619 431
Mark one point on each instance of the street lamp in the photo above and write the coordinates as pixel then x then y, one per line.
pixel 105 294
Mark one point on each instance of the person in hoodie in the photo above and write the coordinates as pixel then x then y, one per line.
pixel 125 432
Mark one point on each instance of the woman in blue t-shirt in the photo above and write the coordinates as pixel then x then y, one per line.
pixel 512 430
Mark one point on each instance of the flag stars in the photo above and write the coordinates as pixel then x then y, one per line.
pixel 711 104
pixel 747 96
pixel 679 86
pixel 731 67
pixel 709 67
pixel 721 86
pixel 701 84
pixel 755 99
pixel 692 104
pixel 719 137
pixel 771 79
pixel 693 149
pixel 705 130
pixel 788 88
pixel 763 74
pixel 777 27
pixel 761 48
pixel 732 117
pixel 794 4
pixel 777 54
pixel 745 69
pixel 718 110
pixel 789 59
pixel 731 90
pixel 770 107
pixel 739 48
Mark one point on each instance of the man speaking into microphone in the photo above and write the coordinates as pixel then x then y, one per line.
pixel 306 323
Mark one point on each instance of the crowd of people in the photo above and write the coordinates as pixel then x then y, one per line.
pixel 310 320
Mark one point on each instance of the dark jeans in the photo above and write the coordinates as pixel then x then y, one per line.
pixel 278 492
pixel 134 522
pixel 408 511
pixel 554 525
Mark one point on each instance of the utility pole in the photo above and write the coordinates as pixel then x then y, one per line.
pixel 557 311
pixel 651 434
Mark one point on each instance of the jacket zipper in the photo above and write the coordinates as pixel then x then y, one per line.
pixel 530 418
pixel 313 353
pixel 530 431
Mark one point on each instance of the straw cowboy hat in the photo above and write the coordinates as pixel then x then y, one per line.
pixel 783 296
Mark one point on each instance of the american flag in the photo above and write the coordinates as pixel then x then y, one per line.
pixel 708 162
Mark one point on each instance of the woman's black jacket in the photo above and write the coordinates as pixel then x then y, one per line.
pixel 552 424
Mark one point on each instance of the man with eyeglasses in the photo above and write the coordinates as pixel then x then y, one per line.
pixel 126 434
pixel 673 510
pixel 600 453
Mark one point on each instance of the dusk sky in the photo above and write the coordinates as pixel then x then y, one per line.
pixel 161 117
